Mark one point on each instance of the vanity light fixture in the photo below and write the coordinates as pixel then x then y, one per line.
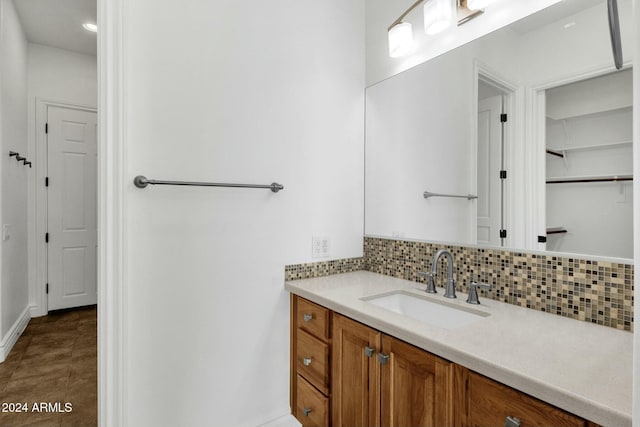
pixel 90 27
pixel 438 16
pixel 400 39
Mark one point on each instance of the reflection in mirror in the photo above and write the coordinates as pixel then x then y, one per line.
pixel 461 122
pixel 491 140
pixel 590 166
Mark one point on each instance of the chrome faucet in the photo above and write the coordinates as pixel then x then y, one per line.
pixel 450 288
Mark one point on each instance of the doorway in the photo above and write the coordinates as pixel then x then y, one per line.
pixel 494 101
pixel 50 364
pixel 589 169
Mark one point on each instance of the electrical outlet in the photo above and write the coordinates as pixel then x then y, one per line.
pixel 6 232
pixel 320 247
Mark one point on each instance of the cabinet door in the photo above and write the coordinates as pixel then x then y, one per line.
pixel 355 398
pixel 312 408
pixel 415 386
pixel 489 403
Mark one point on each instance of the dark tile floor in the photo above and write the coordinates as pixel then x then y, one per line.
pixel 54 361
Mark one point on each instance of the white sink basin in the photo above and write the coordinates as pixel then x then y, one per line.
pixel 426 309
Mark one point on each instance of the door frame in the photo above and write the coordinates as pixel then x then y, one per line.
pixel 112 186
pixel 39 305
pixel 511 93
pixel 535 150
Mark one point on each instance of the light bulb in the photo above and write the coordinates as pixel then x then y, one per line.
pixel 438 15
pixel 400 39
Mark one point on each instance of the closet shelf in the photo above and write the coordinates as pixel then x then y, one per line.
pixel 560 151
pixel 578 179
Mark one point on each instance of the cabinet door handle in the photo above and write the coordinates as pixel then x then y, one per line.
pixel 306 411
pixel 383 358
pixel 307 317
pixel 368 351
pixel 511 422
pixel 306 361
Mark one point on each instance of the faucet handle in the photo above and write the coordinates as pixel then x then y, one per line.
pixel 431 284
pixel 473 292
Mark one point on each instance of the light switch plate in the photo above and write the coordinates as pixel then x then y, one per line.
pixel 6 232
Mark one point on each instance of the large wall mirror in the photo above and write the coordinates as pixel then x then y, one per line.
pixel 532 121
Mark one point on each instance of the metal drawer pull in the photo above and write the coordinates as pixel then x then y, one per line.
pixel 306 411
pixel 511 422
pixel 307 317
pixel 383 358
pixel 368 351
pixel 306 361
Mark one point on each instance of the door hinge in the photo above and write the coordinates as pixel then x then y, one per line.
pixel 46 181
pixel 542 239
pixel 503 118
pixel 46 128
pixel 47 288
pixel 503 174
pixel 503 234
pixel 46 238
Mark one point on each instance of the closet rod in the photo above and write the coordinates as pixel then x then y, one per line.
pixel 558 230
pixel 555 153
pixel 142 182
pixel 612 178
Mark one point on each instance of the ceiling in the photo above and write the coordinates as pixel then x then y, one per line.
pixel 58 23
pixel 554 13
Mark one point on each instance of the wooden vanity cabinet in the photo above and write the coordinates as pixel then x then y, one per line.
pixel 310 358
pixel 355 374
pixel 489 403
pixel 365 378
pixel 416 387
pixel 378 380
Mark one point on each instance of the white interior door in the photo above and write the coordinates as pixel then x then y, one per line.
pixel 72 203
pixel 489 165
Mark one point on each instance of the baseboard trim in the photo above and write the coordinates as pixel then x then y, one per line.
pixel 285 421
pixel 36 311
pixel 9 340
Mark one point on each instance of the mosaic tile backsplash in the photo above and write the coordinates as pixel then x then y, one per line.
pixel 594 291
pixel 319 269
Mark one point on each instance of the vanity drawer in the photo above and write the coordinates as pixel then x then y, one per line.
pixel 312 408
pixel 490 403
pixel 312 360
pixel 312 318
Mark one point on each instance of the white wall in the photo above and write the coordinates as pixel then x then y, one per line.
pixel 13 137
pixel 636 206
pixel 420 125
pixel 381 13
pixel 62 76
pixel 245 92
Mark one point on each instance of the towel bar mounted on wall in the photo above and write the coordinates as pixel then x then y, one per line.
pixel 428 194
pixel 142 182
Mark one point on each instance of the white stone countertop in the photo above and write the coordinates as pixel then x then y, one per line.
pixel 583 368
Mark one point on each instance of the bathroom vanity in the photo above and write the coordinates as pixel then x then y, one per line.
pixel 355 363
